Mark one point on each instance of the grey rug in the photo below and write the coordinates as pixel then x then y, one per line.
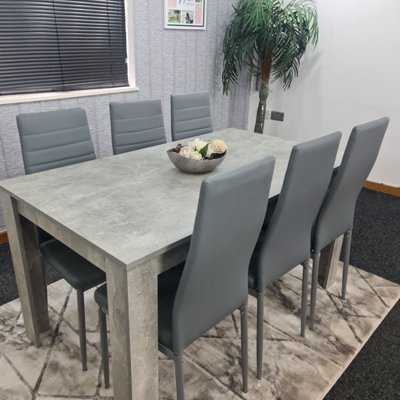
pixel 294 368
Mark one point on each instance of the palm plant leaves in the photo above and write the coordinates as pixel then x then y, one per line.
pixel 270 38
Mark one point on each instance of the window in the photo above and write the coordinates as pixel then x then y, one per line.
pixel 62 45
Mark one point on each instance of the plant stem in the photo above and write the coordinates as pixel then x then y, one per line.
pixel 262 105
pixel 266 66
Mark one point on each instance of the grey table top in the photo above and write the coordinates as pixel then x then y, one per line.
pixel 137 205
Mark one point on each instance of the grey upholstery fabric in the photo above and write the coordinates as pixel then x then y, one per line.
pixel 54 139
pixel 337 213
pixel 50 140
pixel 100 296
pixel 167 283
pixel 212 283
pixel 76 270
pixel 136 124
pixel 214 280
pixel 286 242
pixel 190 115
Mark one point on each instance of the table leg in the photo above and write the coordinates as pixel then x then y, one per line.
pixel 29 270
pixel 329 262
pixel 132 302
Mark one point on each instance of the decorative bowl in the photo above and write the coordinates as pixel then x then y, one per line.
pixel 194 166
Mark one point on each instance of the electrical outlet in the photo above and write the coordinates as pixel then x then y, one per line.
pixel 277 115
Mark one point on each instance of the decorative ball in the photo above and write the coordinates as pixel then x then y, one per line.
pixel 219 146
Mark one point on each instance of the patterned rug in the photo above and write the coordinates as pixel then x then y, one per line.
pixel 294 368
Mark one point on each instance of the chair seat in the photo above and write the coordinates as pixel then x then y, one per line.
pixel 165 307
pixel 167 284
pixel 100 296
pixel 253 276
pixel 254 262
pixel 76 270
pixel 168 281
pixel 272 273
pixel 272 203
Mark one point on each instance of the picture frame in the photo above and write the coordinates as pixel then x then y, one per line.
pixel 185 14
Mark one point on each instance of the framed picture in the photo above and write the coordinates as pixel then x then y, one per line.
pixel 185 14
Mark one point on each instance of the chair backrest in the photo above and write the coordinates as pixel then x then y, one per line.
pixel 136 124
pixel 229 219
pixel 190 115
pixel 286 242
pixel 337 212
pixel 54 139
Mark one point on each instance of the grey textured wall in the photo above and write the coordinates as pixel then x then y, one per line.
pixel 166 61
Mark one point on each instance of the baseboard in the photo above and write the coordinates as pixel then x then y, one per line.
pixel 3 237
pixel 381 187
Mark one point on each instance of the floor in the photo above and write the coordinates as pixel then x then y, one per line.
pixel 375 372
pixel 294 368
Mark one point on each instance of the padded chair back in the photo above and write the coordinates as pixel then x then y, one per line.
pixel 190 115
pixel 337 212
pixel 136 124
pixel 54 139
pixel 228 221
pixel 286 242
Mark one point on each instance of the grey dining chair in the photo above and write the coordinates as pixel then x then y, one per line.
pixel 136 124
pixel 50 140
pixel 213 282
pixel 190 115
pixel 167 283
pixel 337 212
pixel 286 241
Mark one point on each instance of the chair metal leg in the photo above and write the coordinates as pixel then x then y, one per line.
pixel 180 393
pixel 82 327
pixel 245 350
pixel 347 244
pixel 104 347
pixel 314 286
pixel 260 332
pixel 306 265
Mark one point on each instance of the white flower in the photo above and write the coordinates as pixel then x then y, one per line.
pixel 196 155
pixel 219 146
pixel 197 144
pixel 186 151
pixel 192 145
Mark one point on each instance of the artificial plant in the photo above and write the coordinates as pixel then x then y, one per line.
pixel 270 37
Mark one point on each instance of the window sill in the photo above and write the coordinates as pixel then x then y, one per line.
pixel 24 98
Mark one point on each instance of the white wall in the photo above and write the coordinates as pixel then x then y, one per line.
pixel 353 76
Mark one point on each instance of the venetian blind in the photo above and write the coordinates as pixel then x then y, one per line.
pixel 61 45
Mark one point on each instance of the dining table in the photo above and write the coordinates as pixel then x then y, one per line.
pixel 132 216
